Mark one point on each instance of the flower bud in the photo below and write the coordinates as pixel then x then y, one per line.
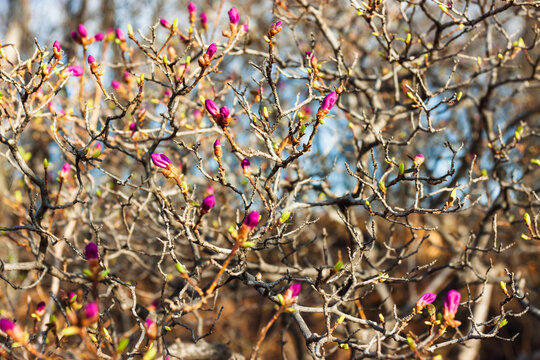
pixel 91 251
pixel 115 84
pixel 208 203
pixel 12 330
pixel 252 220
pixel 90 313
pixel 91 60
pixel 451 305
pixel 165 23
pixel 192 9
pixel 81 29
pixel 211 51
pixel 204 21
pixel 99 37
pixel 76 70
pixel 64 172
pixel 212 108
pixel 233 16
pixel 424 300
pixel 246 166
pixel 57 49
pixel 120 35
pixel 291 293
pixel 218 152
pixel 418 160
pixel 161 160
pixel 151 329
pixel 275 29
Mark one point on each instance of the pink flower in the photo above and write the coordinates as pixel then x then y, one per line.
pixel 252 220
pixel 81 29
pixel 56 46
pixel 127 76
pixel 64 172
pixel 245 27
pixel 76 70
pixel 91 251
pixel 451 304
pixel 6 325
pixel 217 149
pixel 418 160
pixel 91 59
pixel 225 112
pixel 246 166
pixel 165 23
pixel 120 35
pixel 233 16
pixel 115 84
pixel 275 28
pixel 192 8
pixel 13 330
pixel 212 108
pixel 161 160
pixel 211 51
pixel 208 203
pixel 99 36
pixel 291 293
pixel 329 101
pixel 40 308
pixel 90 312
pixel 204 20
pixel 151 329
pixel 424 300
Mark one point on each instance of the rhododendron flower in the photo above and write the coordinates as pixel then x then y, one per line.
pixel 252 220
pixel 211 51
pixel 76 70
pixel 424 300
pixel 208 203
pixel 233 16
pixel 13 330
pixel 225 112
pixel 91 251
pixel 56 46
pixel 451 305
pixel 329 101
pixel 161 160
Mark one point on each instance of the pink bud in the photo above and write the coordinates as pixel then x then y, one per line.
pixel 167 93
pixel 91 251
pixel 81 29
pixel 192 8
pixel 217 143
pixel 451 304
pixel 245 27
pixel 120 35
pixel 418 160
pixel 225 112
pixel 165 23
pixel 75 36
pixel 13 330
pixel 99 36
pixel 252 220
pixel 115 84
pixel 64 172
pixel 40 308
pixel 276 28
pixel 127 76
pixel 204 20
pixel 56 46
pixel 211 51
pixel 246 166
pixel 208 203
pixel 6 325
pixel 76 70
pixel 292 293
pixel 329 101
pixel 425 299
pixel 151 329
pixel 161 160
pixel 91 312
pixel 212 108
pixel 233 16
pixel 91 59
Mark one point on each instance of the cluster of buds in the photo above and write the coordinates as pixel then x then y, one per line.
pixel 208 56
pixel 327 104
pixel 222 116
pixel 81 36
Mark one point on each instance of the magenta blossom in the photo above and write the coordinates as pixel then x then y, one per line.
pixel 91 312
pixel 115 84
pixel 91 251
pixel 245 27
pixel 151 329
pixel 120 35
pixel 246 166
pixel 418 160
pixel 204 20
pixel 56 46
pixel 252 220
pixel 211 51
pixel 91 59
pixel 64 172
pixel 6 325
pixel 225 112
pixel 233 16
pixel 99 36
pixel 161 160
pixel 13 330
pixel 451 304
pixel 275 28
pixel 76 70
pixel 208 203
pixel 212 108
pixel 40 308
pixel 329 101
pixel 424 300
pixel 81 29
pixel 291 293
pixel 165 23
pixel 192 8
